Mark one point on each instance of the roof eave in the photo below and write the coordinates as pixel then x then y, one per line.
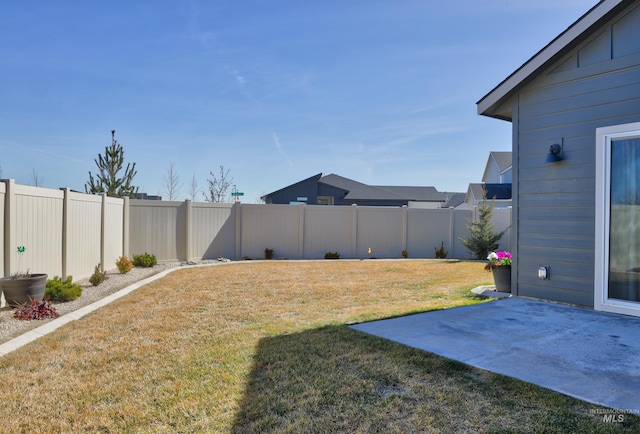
pixel 488 105
pixel 317 177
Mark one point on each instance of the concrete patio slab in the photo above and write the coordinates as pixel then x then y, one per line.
pixel 590 355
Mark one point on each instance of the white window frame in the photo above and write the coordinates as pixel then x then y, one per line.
pixel 604 136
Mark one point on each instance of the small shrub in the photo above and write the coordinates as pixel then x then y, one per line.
pixel 62 290
pixel 483 237
pixel 98 276
pixel 441 253
pixel 37 309
pixel 268 253
pixel 404 254
pixel 124 264
pixel 145 260
pixel 332 255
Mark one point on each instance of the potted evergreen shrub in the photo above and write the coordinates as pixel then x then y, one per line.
pixel 23 287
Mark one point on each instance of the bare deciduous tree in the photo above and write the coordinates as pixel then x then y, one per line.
pixel 172 184
pixel 194 188
pixel 36 181
pixel 218 186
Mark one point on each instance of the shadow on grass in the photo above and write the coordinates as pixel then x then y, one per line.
pixel 335 379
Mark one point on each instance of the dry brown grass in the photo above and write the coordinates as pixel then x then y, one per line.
pixel 256 347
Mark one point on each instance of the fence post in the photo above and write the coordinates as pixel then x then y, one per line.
pixel 188 230
pixel 354 231
pixel 65 231
pixel 452 231
pixel 125 227
pixel 9 225
pixel 405 224
pixel 301 231
pixel 103 218
pixel 237 229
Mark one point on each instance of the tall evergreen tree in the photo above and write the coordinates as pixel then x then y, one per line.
pixel 484 238
pixel 109 166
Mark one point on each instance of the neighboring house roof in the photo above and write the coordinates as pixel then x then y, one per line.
pixel 502 160
pixel 350 191
pixel 453 199
pixel 316 177
pixel 422 194
pixel 494 104
pixel 359 191
pixel 356 190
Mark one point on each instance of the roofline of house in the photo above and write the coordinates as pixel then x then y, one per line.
pixel 318 176
pixel 492 157
pixel 544 56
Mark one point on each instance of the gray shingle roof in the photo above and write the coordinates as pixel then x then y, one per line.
pixel 454 199
pixel 359 191
pixel 428 194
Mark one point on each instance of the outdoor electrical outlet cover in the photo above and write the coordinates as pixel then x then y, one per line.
pixel 543 272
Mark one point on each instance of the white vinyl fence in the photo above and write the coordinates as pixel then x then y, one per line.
pixel 185 230
pixel 68 233
pixel 64 233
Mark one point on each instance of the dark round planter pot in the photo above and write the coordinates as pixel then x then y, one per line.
pixel 23 290
pixel 502 278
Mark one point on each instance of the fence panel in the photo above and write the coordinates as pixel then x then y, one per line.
pixel 501 220
pixel 113 231
pixel 427 228
pixel 37 219
pixel 461 219
pixel 327 229
pixel 213 230
pixel 379 232
pixel 158 227
pixel 84 213
pixel 275 227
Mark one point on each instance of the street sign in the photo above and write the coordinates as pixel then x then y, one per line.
pixel 237 193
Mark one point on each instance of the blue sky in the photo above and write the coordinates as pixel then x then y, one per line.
pixel 382 92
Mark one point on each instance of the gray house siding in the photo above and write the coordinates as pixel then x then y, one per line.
pixel 596 84
pixel 337 193
pixel 306 188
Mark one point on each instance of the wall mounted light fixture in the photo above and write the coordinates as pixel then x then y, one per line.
pixel 555 153
pixel 543 272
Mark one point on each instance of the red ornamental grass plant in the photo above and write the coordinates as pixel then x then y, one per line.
pixel 37 309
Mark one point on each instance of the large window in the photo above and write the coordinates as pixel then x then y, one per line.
pixel 617 256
